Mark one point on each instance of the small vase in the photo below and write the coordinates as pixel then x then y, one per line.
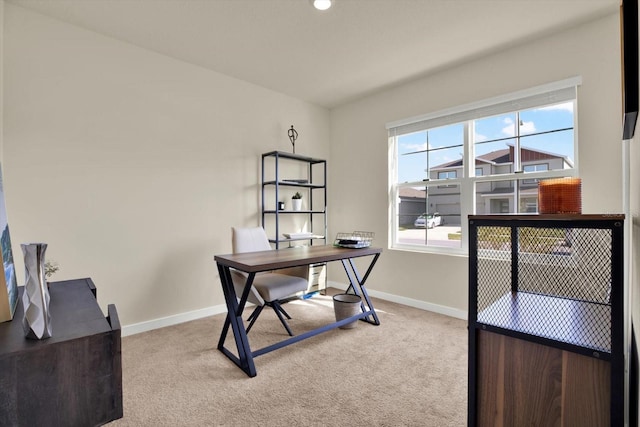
pixel 297 204
pixel 35 299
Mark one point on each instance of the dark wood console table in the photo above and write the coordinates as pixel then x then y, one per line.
pixel 73 378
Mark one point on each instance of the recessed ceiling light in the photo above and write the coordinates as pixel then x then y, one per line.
pixel 322 4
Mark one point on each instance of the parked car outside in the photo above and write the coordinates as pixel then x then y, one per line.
pixel 428 220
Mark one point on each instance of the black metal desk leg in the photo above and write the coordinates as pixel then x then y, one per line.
pixel 234 318
pixel 354 278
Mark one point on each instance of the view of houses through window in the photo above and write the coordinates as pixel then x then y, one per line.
pixel 482 160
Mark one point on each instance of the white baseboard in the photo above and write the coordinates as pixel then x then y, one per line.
pixel 427 306
pixel 162 322
pixel 137 328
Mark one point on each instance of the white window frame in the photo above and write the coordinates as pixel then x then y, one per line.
pixel 556 92
pixel 535 169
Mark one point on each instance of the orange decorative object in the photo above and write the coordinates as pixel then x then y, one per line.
pixel 560 195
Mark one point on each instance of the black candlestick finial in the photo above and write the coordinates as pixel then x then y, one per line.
pixel 293 135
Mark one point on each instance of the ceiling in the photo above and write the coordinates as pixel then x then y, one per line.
pixel 327 58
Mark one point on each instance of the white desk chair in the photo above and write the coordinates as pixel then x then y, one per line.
pixel 268 288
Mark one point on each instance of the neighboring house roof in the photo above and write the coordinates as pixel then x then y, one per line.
pixel 497 157
pixel 506 156
pixel 412 193
pixel 453 164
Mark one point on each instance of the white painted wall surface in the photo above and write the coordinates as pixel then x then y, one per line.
pixel 133 166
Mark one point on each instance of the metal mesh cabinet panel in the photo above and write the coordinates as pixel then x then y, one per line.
pixel 562 279
pixel 554 280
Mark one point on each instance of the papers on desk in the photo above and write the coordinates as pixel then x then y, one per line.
pixel 302 235
pixel 355 240
pixel 354 244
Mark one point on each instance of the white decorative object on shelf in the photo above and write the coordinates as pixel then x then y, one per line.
pixel 303 235
pixel 35 299
pixel 296 200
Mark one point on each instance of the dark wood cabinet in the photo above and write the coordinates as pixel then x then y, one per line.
pixel 546 320
pixel 73 378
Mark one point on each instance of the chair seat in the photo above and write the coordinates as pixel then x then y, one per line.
pixel 267 288
pixel 275 286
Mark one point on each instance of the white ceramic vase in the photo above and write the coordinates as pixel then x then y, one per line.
pixel 297 204
pixel 35 299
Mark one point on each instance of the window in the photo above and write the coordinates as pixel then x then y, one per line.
pixel 482 158
pixel 534 168
pixel 447 175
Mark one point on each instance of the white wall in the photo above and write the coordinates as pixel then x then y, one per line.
pixel 133 166
pixel 359 144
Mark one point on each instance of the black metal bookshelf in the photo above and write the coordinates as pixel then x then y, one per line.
pixel 309 177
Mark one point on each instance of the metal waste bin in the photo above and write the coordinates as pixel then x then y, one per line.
pixel 345 306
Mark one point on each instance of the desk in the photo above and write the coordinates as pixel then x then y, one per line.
pixel 256 262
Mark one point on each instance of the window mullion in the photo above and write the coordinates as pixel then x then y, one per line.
pixel 517 161
pixel 467 186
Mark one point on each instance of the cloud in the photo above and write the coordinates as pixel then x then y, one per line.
pixel 510 129
pixel 479 137
pixel 416 147
pixel 566 106
pixel 527 127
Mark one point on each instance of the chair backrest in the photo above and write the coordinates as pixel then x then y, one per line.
pixel 251 239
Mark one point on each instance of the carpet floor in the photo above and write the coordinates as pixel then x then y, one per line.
pixel 409 371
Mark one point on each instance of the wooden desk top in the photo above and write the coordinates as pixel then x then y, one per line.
pixel 255 262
